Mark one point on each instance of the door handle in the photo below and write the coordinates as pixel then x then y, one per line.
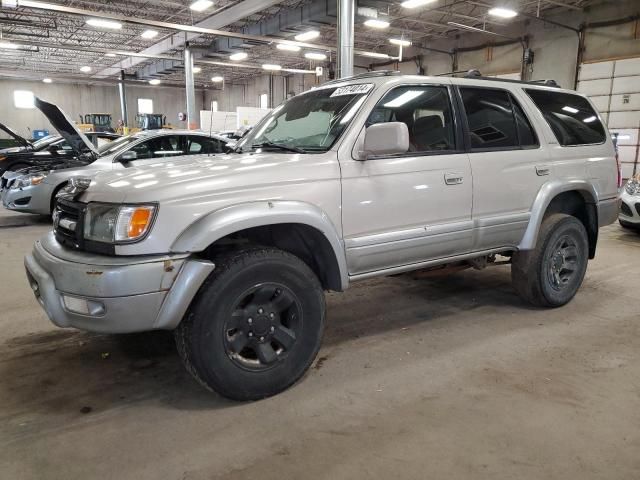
pixel 453 178
pixel 542 170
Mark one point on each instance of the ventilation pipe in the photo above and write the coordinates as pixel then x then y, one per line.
pixel 192 122
pixel 346 19
pixel 123 103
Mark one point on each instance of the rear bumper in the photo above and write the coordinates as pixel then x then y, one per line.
pixel 113 294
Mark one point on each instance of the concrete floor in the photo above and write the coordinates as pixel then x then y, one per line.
pixel 450 377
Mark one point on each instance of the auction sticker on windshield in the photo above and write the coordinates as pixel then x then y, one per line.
pixel 352 89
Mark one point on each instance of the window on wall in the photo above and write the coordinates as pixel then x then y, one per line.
pixel 145 105
pixel 23 99
pixel 496 121
pixel 263 100
pixel 427 113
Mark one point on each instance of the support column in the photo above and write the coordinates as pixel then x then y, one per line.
pixel 192 120
pixel 346 18
pixel 123 104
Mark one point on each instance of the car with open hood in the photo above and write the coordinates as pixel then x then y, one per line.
pixel 367 176
pixel 23 144
pixel 33 189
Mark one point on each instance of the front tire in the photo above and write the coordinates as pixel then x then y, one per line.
pixel 551 274
pixel 255 326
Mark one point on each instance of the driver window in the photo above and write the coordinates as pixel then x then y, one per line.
pixel 165 146
pixel 426 110
pixel 143 150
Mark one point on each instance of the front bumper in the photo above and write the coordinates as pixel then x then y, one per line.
pixel 113 294
pixel 33 199
pixel 629 209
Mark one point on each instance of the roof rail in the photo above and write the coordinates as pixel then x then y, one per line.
pixel 375 73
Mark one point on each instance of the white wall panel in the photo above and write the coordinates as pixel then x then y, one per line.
pixel 626 85
pixel 595 87
pixel 601 102
pixel 593 71
pixel 625 102
pixel 626 136
pixel 624 119
pixel 630 66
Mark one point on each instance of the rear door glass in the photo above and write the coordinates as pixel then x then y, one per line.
pixel 571 117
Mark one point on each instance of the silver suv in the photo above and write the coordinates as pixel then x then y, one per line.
pixel 369 176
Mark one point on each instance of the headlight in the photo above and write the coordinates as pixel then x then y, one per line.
pixel 110 223
pixel 28 181
pixel 632 187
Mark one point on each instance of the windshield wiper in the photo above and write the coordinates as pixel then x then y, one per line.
pixel 279 146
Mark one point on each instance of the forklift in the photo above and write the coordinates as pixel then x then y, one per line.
pixel 96 122
pixel 151 121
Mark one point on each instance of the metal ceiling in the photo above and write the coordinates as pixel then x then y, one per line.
pixel 57 44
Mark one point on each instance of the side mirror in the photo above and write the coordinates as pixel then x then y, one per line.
pixel 389 138
pixel 128 156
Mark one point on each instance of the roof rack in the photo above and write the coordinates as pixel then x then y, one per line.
pixel 375 73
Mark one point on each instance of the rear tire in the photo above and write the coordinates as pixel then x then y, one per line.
pixel 255 326
pixel 550 275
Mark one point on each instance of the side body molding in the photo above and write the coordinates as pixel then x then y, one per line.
pixel 206 230
pixel 546 194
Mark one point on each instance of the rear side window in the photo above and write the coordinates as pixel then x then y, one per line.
pixel 495 120
pixel 571 117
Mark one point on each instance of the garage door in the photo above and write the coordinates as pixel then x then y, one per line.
pixel 614 86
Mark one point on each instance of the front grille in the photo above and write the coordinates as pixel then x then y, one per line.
pixel 68 213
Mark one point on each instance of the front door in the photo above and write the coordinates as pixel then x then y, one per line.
pixel 414 207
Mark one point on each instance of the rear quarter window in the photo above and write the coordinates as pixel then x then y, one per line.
pixel 571 117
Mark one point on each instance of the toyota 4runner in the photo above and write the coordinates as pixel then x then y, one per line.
pixel 372 175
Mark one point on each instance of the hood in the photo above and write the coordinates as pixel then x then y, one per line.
pixel 66 127
pixel 21 140
pixel 203 176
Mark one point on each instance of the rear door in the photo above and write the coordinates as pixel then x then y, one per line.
pixel 509 165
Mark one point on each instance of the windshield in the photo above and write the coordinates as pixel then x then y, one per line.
pixel 117 145
pixel 44 141
pixel 310 122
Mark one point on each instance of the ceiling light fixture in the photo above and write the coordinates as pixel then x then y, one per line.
pixel 109 54
pixel 415 3
pixel 101 23
pixel 154 81
pixel 149 34
pixel 217 79
pixel 238 56
pixel 85 69
pixel 306 36
pixel 287 47
pixel 270 66
pixel 376 23
pixel 9 45
pixel 196 69
pixel 374 54
pixel 47 80
pixel 400 42
pixel 200 5
pixel 503 12
pixel 315 56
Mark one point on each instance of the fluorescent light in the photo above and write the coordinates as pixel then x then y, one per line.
pixel 47 80
pixel 270 66
pixel 238 56
pixel 287 47
pixel 109 54
pixel 23 99
pixel 85 69
pixel 590 119
pixel 10 46
pixel 200 5
pixel 149 34
pixel 503 12
pixel 570 109
pixel 306 36
pixel 400 42
pixel 376 23
pixel 196 69
pixel 154 81
pixel 315 56
pixel 404 98
pixel 415 3
pixel 217 79
pixel 101 23
pixel 374 54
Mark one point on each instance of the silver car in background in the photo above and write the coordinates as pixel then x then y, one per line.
pixel 33 190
